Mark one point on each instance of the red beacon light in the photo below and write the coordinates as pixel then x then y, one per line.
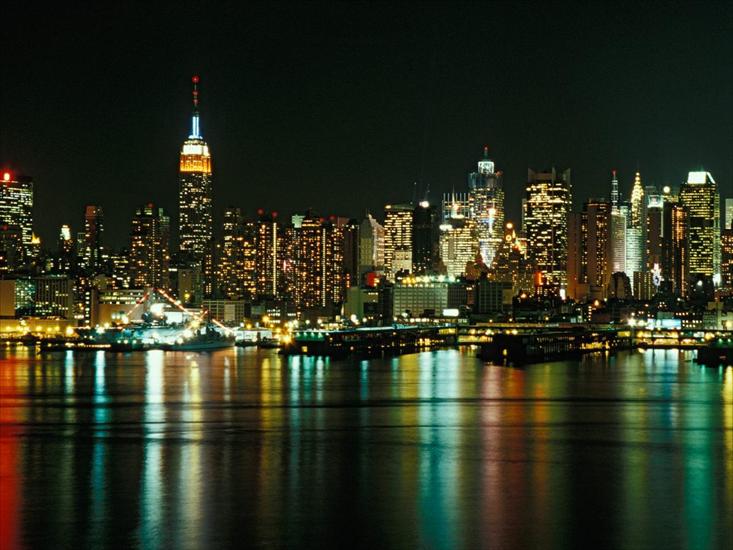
pixel 195 79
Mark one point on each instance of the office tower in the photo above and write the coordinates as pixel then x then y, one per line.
pixel 654 218
pixel 371 246
pixel 615 196
pixel 486 201
pixel 511 264
pixel 249 258
pixel 267 254
pixel 547 204
pixel 319 262
pixel 93 256
pixel 348 231
pixel 458 242
pixel 65 255
pixel 635 230
pixel 16 206
pixel 230 265
pixel 121 270
pixel 726 258
pixel 675 252
pixel 195 223
pixel 729 213
pixel 397 239
pixel 699 195
pixel 150 248
pixel 589 250
pixel 425 227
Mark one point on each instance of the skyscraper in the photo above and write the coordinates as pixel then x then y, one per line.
pixel 729 213
pixel 699 195
pixel 371 246
pixel 195 224
pixel 267 254
pixel 486 199
pixel 617 229
pixel 92 251
pixel 636 230
pixel 675 252
pixel 547 204
pixel 150 248
pixel 424 238
pixel 589 250
pixel 16 207
pixel 397 239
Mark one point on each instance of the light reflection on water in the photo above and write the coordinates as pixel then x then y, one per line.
pixel 428 450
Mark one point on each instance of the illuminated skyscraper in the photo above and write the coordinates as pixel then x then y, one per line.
pixel 458 241
pixel 636 230
pixel 371 246
pixel 547 205
pixel 150 248
pixel 728 213
pixel 726 258
pixel 486 199
pixel 16 206
pixel 267 255
pixel 230 255
pixel 591 249
pixel 397 239
pixel 511 264
pixel 675 252
pixel 699 195
pixel 195 197
pixel 617 229
pixel 92 252
pixel 319 262
pixel 65 261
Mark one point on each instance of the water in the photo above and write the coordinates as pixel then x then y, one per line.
pixel 433 450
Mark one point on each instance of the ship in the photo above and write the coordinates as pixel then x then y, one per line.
pixel 206 338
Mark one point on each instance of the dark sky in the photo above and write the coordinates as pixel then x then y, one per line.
pixel 342 108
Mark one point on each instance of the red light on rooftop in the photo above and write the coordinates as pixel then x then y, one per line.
pixel 274 214
pixel 6 176
pixel 260 211
pixel 195 79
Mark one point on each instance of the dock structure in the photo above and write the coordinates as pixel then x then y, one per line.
pixel 519 347
pixel 390 340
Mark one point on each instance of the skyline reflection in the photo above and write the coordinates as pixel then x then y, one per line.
pixel 433 449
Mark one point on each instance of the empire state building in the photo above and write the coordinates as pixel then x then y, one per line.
pixel 195 224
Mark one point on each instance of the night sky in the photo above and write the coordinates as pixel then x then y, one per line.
pixel 342 108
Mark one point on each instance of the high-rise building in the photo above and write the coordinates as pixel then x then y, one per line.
pixel 267 254
pixel 636 231
pixel 397 239
pixel 726 258
pixel 16 205
pixel 150 248
pixel 729 213
pixel 424 238
pixel 654 218
pixel 230 255
pixel 458 244
pixel 511 264
pixel 486 201
pixel 675 252
pixel 195 204
pixel 547 205
pixel 93 255
pixel 371 246
pixel 589 250
pixel 699 195
pixel 65 255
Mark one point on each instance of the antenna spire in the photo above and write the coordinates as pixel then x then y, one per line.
pixel 195 131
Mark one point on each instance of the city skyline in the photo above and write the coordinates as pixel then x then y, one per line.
pixel 293 141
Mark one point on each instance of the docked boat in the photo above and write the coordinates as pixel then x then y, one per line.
pixel 206 338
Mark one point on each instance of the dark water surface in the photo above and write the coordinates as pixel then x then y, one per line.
pixel 433 450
